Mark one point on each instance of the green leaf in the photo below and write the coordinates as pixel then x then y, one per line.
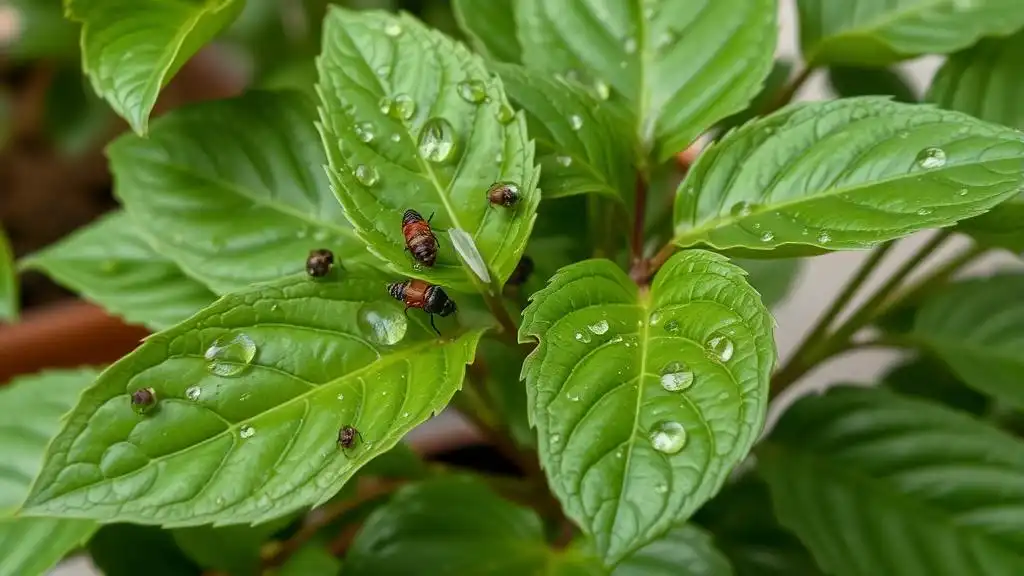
pixel 845 174
pixel 205 165
pixel 297 360
pixel 848 81
pixel 880 32
pixel 457 523
pixel 110 263
pixel 8 281
pixel 771 278
pixel 977 327
pixel 583 145
pixel 490 26
pixel 685 549
pixel 311 560
pixel 233 549
pixel 132 48
pixel 384 77
pixel 983 81
pixel 680 65
pixel 643 403
pixel 38 30
pixel 129 549
pixel 929 379
pixel 31 546
pixel 891 485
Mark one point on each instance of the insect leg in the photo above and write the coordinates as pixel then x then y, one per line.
pixel 432 325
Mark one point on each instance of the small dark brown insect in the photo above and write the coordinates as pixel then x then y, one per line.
pixel 143 400
pixel 319 262
pixel 419 238
pixel 347 436
pixel 503 194
pixel 522 272
pixel 419 294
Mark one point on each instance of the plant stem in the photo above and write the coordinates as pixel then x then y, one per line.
pixel 936 279
pixel 509 327
pixel 788 91
pixel 639 211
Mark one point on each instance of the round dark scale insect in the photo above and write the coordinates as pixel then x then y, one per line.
pixel 143 400
pixel 419 238
pixel 319 262
pixel 503 194
pixel 419 294
pixel 347 436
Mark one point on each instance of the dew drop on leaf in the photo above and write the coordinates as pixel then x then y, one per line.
pixel 230 354
pixel 668 437
pixel 629 46
pixel 931 157
pixel 661 488
pixel 565 161
pixel 383 71
pixel 341 396
pixel 599 327
pixel 320 235
pixel 404 107
pixel 472 91
pixel 505 114
pixel 654 319
pixel 193 392
pixel 396 137
pixel 824 237
pixel 573 396
pixel 767 236
pixel 576 122
pixel 924 211
pixel 555 438
pixel 602 89
pixel 393 29
pixel 385 105
pixel 676 376
pixel 364 131
pixel 366 175
pixel 672 327
pixel 437 140
pixel 583 337
pixel 720 347
pixel 382 322
pixel 741 209
pixel 962 192
pixel 247 431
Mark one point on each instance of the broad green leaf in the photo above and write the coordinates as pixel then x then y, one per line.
pixel 929 379
pixel 848 81
pixel 583 146
pixel 875 483
pixel 130 550
pixel 311 560
pixel 31 546
pixel 643 402
pixel 37 29
pixel 457 525
pixel 977 327
pixel 110 263
pixel 685 549
pixel 8 281
pixel 412 120
pixel 132 48
pixel 984 81
pixel 845 174
pixel 234 190
pixel 252 393
pixel 771 278
pixel 490 26
pixel 680 65
pixel 880 32
pixel 233 549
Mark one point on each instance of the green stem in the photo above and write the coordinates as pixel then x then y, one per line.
pixel 936 279
pixel 788 91
pixel 508 324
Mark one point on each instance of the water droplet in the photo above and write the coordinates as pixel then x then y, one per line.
pixel 931 157
pixel 565 161
pixel 404 107
pixel 767 236
pixel 676 376
pixel 654 319
pixel 602 89
pixel 505 113
pixel 599 327
pixel 661 488
pixel 576 121
pixel 385 105
pixel 672 327
pixel 741 209
pixel 629 46
pixel 383 71
pixel 583 337
pixel 393 29
pixel 366 175
pixel 924 211
pixel 382 322
pixel 193 393
pixel 472 91
pixel 668 437
pixel 824 237
pixel 230 354
pixel 616 339
pixel 405 414
pixel 396 137
pixel 619 453
pixel 364 131
pixel 320 235
pixel 555 438
pixel 247 431
pixel 341 396
pixel 573 396
pixel 665 40
pixel 962 192
pixel 499 158
pixel 437 140
pixel 720 347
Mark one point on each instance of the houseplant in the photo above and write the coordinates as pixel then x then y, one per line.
pixel 647 359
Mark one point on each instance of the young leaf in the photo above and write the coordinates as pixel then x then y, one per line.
pixel 880 32
pixel 490 26
pixel 8 281
pixel 31 546
pixel 849 81
pixel 204 166
pixel 686 549
pixel 929 379
pixel 983 81
pixel 110 263
pixel 977 327
pixel 845 174
pixel 891 485
pixel 457 523
pixel 680 65
pixel 412 120
pixel 583 146
pixel 132 48
pixel 644 402
pixel 309 560
pixel 251 395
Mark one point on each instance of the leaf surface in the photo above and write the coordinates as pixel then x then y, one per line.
pixel 110 263
pixel 643 403
pixel 30 546
pixel 490 25
pixel 8 281
pixel 412 120
pixel 685 549
pixel 252 391
pixel 121 549
pixel 234 190
pixel 977 327
pixel 131 49
pixel 845 174
pixel 880 32
pixel 903 486
pixel 679 65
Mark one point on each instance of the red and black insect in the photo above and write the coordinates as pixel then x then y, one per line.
pixel 503 194
pixel 419 294
pixel 419 238
pixel 347 436
pixel 319 262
